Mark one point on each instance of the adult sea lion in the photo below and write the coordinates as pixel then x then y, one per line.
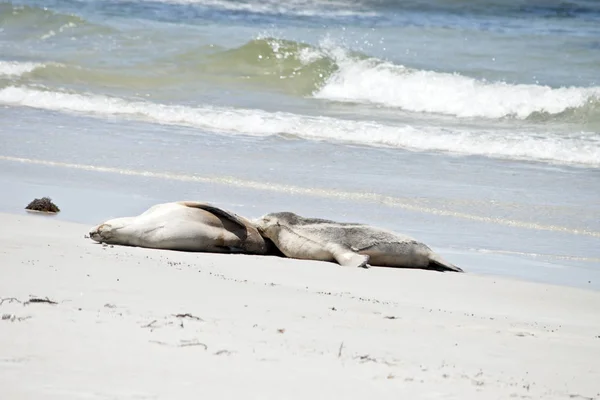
pixel 184 225
pixel 348 244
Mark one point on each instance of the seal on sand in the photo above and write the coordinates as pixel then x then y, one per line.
pixel 186 226
pixel 348 244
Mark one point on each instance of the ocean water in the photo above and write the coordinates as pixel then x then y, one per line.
pixel 473 125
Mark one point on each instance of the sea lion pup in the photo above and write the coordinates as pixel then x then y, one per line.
pixel 348 244
pixel 186 226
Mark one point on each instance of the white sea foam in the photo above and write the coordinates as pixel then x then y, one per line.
pixel 374 81
pixel 582 149
pixel 52 33
pixel 15 68
pixel 326 8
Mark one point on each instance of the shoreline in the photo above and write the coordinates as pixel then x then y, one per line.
pixel 496 251
pixel 55 219
pixel 159 324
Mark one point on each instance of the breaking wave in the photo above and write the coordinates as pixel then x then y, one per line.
pixel 581 148
pixel 331 72
pixel 391 85
pixel 15 68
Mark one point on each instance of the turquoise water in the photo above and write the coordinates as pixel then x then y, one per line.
pixel 473 125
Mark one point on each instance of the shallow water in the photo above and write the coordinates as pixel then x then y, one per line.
pixel 474 128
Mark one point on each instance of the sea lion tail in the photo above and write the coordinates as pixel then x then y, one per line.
pixel 437 263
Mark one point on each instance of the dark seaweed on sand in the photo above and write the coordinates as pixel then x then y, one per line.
pixel 44 204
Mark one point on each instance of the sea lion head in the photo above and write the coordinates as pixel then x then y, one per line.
pixel 269 224
pixel 265 224
pixel 108 232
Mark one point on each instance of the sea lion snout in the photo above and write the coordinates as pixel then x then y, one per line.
pixel 259 224
pixel 263 223
pixel 94 235
pixel 96 232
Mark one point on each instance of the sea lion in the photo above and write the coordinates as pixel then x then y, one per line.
pixel 186 226
pixel 348 244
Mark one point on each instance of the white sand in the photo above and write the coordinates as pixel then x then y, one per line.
pixel 113 333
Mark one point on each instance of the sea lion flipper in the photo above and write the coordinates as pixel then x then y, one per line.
pixel 217 211
pixel 346 257
pixel 439 264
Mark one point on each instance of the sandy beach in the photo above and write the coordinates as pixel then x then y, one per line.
pixel 473 127
pixel 115 322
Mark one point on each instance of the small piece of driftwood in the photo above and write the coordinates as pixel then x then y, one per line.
pixel 188 315
pixel 10 300
pixel 39 300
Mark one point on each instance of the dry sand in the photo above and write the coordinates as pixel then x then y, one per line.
pixel 273 328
